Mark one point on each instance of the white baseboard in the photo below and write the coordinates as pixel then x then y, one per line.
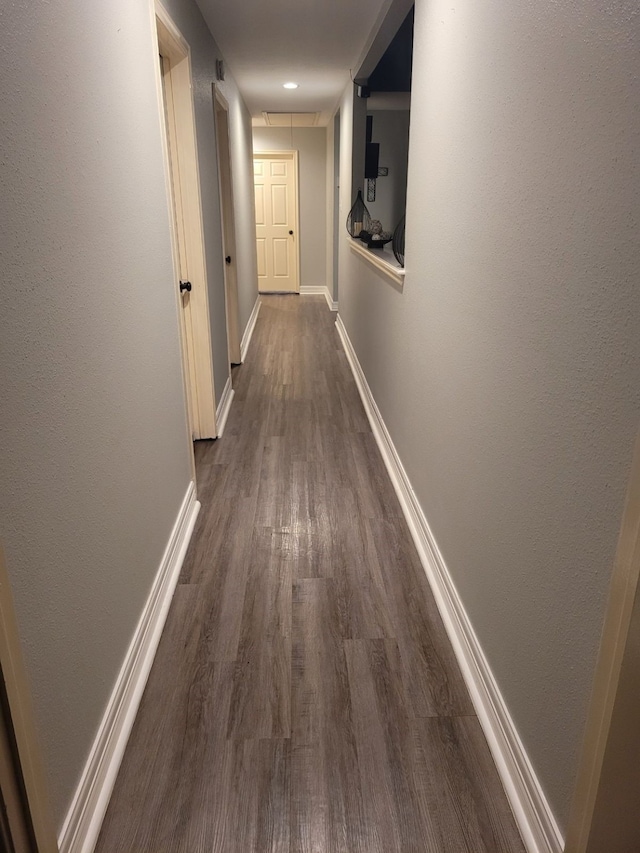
pixel 319 290
pixel 537 825
pixel 224 406
pixel 84 818
pixel 248 332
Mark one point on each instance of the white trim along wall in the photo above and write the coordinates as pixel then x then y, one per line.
pixel 224 406
pixel 532 812
pixel 319 290
pixel 248 332
pixel 83 821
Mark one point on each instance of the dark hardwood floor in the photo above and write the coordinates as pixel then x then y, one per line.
pixel 305 697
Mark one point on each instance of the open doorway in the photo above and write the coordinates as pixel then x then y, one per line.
pixel 225 166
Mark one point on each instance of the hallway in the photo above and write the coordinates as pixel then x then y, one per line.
pixel 304 696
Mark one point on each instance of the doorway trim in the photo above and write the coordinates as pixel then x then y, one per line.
pixel 293 155
pixel 613 710
pixel 22 778
pixel 333 165
pixel 183 194
pixel 228 224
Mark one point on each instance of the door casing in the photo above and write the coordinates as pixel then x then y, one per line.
pixel 608 775
pixel 227 214
pixel 22 778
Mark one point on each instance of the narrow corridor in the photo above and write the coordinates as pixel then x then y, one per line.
pixel 304 696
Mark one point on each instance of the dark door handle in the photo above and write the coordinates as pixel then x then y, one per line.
pixel 290 232
pixel 185 285
pixel 227 260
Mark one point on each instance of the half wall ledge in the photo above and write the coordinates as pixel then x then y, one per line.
pixel 382 260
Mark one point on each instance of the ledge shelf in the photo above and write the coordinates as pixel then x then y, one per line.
pixel 382 260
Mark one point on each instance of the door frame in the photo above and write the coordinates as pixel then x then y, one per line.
pixel 293 155
pixel 613 710
pixel 22 778
pixel 183 189
pixel 334 202
pixel 228 222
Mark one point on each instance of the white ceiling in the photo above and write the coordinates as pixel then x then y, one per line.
pixel 315 43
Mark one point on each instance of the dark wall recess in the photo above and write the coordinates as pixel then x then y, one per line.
pixel 393 72
pixel 371 160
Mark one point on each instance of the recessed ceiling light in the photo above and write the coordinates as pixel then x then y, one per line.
pixel 290 85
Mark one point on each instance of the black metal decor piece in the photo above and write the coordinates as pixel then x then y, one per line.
pixel 398 242
pixel 359 218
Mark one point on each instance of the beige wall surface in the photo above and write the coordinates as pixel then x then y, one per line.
pixel 94 454
pixel 204 52
pixel 311 143
pixel 507 370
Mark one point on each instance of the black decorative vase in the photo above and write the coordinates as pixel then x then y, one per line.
pixel 398 242
pixel 359 218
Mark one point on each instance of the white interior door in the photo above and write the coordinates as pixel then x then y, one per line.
pixel 276 190
pixel 179 243
pixel 183 188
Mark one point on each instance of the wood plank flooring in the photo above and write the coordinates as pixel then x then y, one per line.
pixel 305 697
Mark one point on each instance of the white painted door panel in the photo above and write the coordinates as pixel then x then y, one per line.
pixel 276 222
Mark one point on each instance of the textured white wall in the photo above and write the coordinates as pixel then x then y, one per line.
pixel 311 143
pixel 94 448
pixel 507 370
